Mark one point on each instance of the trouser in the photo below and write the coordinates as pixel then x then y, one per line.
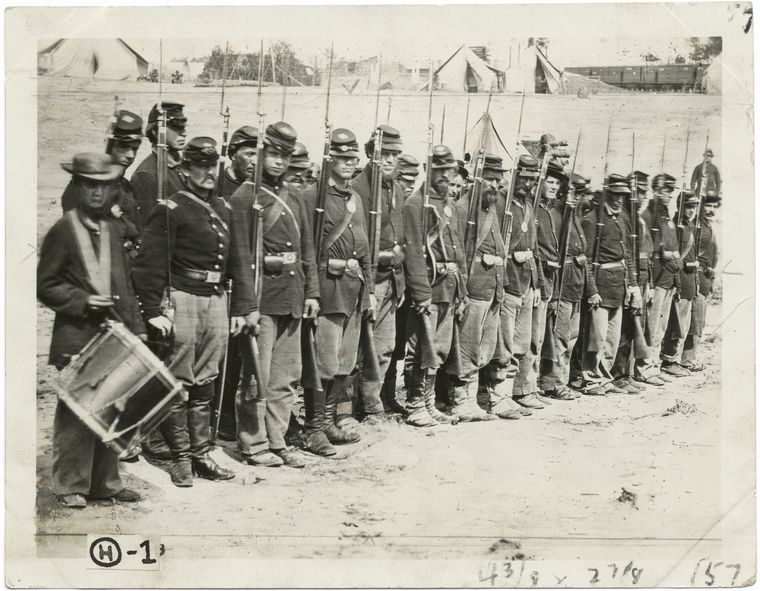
pixel 441 319
pixel 228 390
pixel 515 320
pixel 694 338
pixel 562 328
pixel 603 339
pixel 337 343
pixel 200 335
pixel 634 350
pixel 537 335
pixel 659 316
pixel 678 327
pixel 82 464
pixel 385 344
pixel 263 410
pixel 478 334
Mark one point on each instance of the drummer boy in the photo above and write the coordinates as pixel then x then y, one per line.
pixel 82 277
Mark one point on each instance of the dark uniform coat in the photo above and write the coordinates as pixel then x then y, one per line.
pixel 62 286
pixel 547 241
pixel 689 276
pixel 339 292
pixel 520 275
pixel 708 258
pixel 713 178
pixel 486 281
pixel 665 267
pixel 611 283
pixel 446 288
pixel 577 266
pixel 192 237
pixel 286 230
pixel 230 183
pixel 391 228
pixel 145 185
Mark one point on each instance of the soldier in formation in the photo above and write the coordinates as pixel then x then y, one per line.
pixel 510 293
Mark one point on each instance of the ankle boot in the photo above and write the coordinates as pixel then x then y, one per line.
pixel 501 405
pixel 205 467
pixel 181 473
pixel 419 416
pixel 429 398
pixel 335 434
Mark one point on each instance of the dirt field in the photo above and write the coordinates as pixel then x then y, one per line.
pixel 547 486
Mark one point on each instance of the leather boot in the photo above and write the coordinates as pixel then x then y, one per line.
pixel 174 432
pixel 199 417
pixel 335 434
pixel 500 405
pixel 473 409
pixel 428 395
pixel 315 440
pixel 418 412
pixel 205 467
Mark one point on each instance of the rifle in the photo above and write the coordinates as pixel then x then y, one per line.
pixel 507 220
pixel 112 121
pixel 310 373
pixel 684 172
pixel 249 346
pixel 656 204
pixel 370 365
pixel 216 411
pixel 466 121
pixel 379 82
pixel 701 196
pixel 429 359
pixel 225 113
pixel 600 205
pixel 566 222
pixel 633 210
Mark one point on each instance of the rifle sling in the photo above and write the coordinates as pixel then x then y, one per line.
pixel 338 230
pixel 208 208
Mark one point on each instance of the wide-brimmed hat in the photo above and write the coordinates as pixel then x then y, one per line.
pixel 94 166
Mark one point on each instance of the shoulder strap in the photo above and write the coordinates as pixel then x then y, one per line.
pixel 207 207
pixel 98 268
pixel 279 205
pixel 338 230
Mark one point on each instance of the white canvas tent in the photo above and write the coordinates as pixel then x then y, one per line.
pixel 530 71
pixel 712 78
pixel 101 59
pixel 466 72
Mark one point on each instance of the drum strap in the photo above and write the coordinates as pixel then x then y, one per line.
pixel 98 267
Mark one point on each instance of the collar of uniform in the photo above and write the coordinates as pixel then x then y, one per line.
pixel 343 192
pixel 204 196
pixel 230 172
pixel 610 213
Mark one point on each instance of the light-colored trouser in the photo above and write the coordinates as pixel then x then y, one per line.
pixel 525 380
pixel 533 354
pixel 659 315
pixel 478 334
pixel 385 343
pixel 555 373
pixel 337 341
pixel 200 336
pixel 693 340
pixel 672 343
pixel 263 410
pixel 515 320
pixel 82 464
pixel 441 319
pixel 603 339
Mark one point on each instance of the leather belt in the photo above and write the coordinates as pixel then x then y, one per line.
pixel 445 268
pixel 612 265
pixel 489 259
pixel 669 255
pixel 552 264
pixel 214 277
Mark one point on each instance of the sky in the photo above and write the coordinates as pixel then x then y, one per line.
pixel 562 52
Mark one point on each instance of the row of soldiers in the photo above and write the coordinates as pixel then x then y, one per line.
pixel 517 293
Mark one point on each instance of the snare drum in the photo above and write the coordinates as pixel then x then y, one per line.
pixel 118 388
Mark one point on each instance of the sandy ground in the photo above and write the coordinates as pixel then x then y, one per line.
pixel 547 486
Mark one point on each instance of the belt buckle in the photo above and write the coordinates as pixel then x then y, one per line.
pixel 289 257
pixel 451 267
pixel 213 276
pixel 352 264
